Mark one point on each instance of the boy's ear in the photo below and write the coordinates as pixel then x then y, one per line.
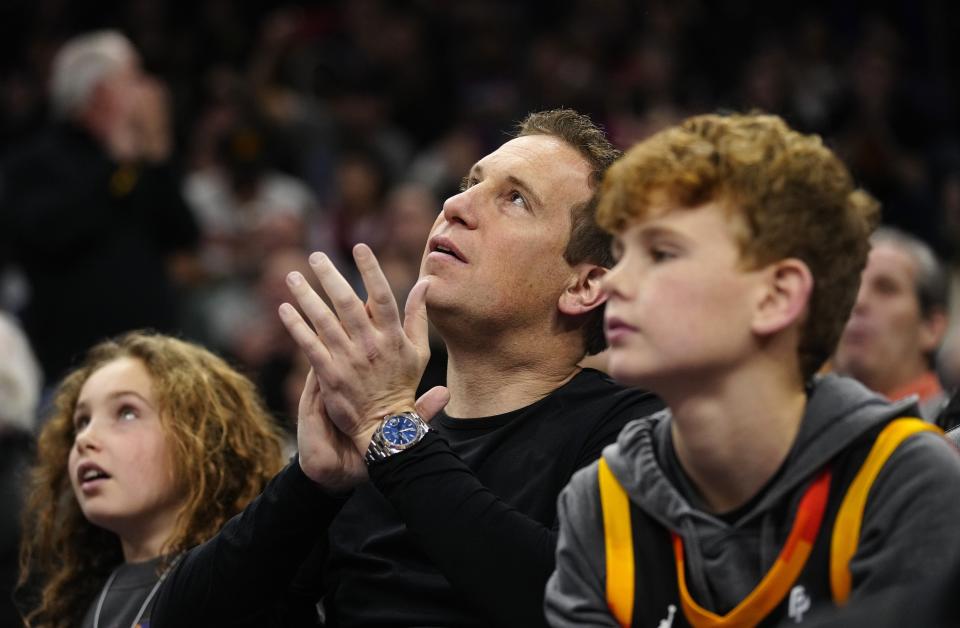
pixel 785 296
pixel 583 293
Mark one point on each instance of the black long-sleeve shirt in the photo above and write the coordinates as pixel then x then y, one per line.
pixel 457 531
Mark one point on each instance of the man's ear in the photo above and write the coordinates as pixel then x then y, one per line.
pixel 933 327
pixel 583 293
pixel 784 298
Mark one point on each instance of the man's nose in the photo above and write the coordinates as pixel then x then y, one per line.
pixel 461 208
pixel 863 298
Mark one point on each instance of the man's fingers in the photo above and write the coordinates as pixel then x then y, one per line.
pixel 312 347
pixel 349 307
pixel 327 325
pixel 415 324
pixel 432 402
pixel 380 301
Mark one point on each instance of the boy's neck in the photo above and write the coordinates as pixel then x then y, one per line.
pixel 732 435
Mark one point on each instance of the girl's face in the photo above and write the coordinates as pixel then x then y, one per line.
pixel 120 465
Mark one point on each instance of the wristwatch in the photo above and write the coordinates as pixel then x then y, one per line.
pixel 395 433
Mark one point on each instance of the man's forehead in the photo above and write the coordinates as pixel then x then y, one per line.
pixel 542 162
pixel 891 258
pixel 535 152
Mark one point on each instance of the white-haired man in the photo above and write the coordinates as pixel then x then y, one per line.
pixel 92 210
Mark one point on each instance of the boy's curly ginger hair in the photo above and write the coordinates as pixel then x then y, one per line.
pixel 788 196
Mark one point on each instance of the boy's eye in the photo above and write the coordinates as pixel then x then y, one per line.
pixel 616 250
pixel 660 254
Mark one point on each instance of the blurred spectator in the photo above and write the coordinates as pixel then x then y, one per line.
pixel 441 166
pixel 244 207
pixel 20 382
pixel 91 207
pixel 410 212
pixel 361 184
pixel 247 210
pixel 257 338
pixel 898 322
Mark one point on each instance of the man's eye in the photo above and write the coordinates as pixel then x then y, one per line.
pixel 517 199
pixel 467 183
pixel 886 287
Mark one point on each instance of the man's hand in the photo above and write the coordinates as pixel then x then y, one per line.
pixel 327 456
pixel 151 120
pixel 367 362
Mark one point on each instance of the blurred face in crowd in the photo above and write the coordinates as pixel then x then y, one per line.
pixel 495 253
pixel 887 337
pixel 121 88
pixel 121 466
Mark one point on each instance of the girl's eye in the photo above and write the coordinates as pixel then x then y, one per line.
pixel 127 413
pixel 80 422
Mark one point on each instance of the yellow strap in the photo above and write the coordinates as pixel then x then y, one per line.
pixel 618 541
pixel 846 527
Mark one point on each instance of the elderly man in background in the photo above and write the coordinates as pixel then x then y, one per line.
pixel 898 321
pixel 91 210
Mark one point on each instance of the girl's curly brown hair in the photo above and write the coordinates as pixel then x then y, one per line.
pixel 224 445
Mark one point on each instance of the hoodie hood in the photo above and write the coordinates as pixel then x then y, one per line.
pixel 839 410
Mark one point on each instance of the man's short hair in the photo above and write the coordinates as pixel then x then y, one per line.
pixel 931 284
pixel 81 64
pixel 791 196
pixel 588 242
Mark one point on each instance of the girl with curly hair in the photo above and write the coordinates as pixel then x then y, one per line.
pixel 152 445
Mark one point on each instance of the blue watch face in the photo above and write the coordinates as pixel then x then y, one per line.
pixel 399 430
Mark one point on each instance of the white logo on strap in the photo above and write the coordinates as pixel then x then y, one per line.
pixel 668 622
pixel 798 603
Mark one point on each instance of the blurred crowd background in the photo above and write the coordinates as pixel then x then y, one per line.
pixel 317 125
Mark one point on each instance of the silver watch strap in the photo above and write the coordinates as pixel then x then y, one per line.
pixel 381 450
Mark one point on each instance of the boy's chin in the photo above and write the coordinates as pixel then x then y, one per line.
pixel 626 373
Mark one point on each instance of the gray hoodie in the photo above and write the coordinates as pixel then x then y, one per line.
pixel 908 529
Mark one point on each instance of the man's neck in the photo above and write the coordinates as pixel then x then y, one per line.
pixel 731 435
pixel 898 380
pixel 925 385
pixel 502 376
